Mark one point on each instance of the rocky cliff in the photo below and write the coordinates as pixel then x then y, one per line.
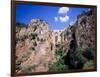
pixel 33 47
pixel 36 45
pixel 82 47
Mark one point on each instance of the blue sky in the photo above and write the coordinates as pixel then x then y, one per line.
pixel 57 17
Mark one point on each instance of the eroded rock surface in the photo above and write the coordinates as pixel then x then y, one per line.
pixel 36 44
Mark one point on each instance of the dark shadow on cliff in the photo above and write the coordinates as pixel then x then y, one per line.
pixel 70 58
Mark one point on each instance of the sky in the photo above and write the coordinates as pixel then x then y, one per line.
pixel 57 17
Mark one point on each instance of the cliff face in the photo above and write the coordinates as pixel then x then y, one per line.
pixel 83 44
pixel 36 45
pixel 33 47
pixel 86 30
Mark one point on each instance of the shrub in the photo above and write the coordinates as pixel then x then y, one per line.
pixel 18 65
pixel 35 44
pixel 73 28
pixel 89 53
pixel 78 51
pixel 89 65
pixel 32 48
pixel 56 45
pixel 59 65
pixel 34 36
pixel 80 58
pixel 28 70
pixel 85 57
pixel 34 27
pixel 42 40
pixel 60 53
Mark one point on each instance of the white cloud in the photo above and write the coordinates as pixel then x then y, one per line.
pixel 56 18
pixel 63 10
pixel 62 15
pixel 72 22
pixel 64 19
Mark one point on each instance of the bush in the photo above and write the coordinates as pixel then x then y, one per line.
pixel 34 36
pixel 78 51
pixel 89 65
pixel 59 65
pixel 34 27
pixel 80 58
pixel 35 44
pixel 89 53
pixel 32 48
pixel 42 40
pixel 60 53
pixel 73 28
pixel 85 57
pixel 29 70
pixel 18 65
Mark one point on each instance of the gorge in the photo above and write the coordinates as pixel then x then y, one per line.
pixel 39 49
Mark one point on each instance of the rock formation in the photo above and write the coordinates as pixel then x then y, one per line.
pixel 36 45
pixel 33 47
pixel 83 44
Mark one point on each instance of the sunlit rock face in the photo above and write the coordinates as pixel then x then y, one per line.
pixel 33 47
pixel 36 44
